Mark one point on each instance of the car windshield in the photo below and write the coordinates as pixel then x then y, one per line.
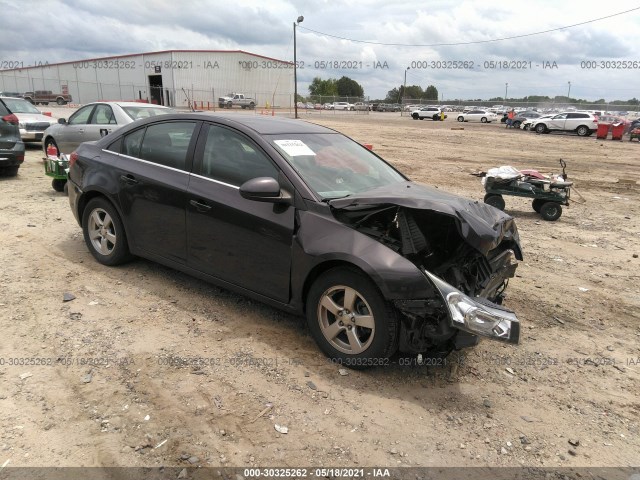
pixel 333 165
pixel 139 112
pixel 18 105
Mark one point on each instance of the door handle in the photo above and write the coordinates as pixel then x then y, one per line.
pixel 201 207
pixel 130 179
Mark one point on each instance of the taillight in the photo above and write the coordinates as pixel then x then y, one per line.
pixel 72 159
pixel 11 118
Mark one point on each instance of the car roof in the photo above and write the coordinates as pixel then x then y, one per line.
pixel 262 125
pixel 128 104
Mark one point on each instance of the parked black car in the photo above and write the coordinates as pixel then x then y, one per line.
pixel 303 218
pixel 11 145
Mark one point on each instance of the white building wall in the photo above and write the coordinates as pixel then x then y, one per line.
pixel 203 76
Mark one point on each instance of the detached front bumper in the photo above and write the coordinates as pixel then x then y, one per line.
pixel 477 316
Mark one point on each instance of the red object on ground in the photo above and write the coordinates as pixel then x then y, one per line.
pixel 617 130
pixel 48 114
pixel 368 146
pixel 52 151
pixel 603 131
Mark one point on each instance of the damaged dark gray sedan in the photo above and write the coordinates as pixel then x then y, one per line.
pixel 303 218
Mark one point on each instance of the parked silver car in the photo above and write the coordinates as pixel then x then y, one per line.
pixel 94 121
pixel 31 121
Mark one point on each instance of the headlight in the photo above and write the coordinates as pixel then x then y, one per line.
pixel 478 315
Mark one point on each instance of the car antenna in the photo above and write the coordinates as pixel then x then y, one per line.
pixel 188 100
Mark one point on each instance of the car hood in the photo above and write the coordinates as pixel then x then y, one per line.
pixel 482 226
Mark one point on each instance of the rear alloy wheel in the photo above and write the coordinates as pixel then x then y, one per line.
pixel 350 320
pixel 550 211
pixel 104 233
pixel 483 119
pixel 461 118
pixel 494 200
pixel 537 204
pixel 541 128
pixel 582 131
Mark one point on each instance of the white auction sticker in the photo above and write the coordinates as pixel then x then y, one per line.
pixel 294 148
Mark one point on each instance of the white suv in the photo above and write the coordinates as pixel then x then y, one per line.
pixel 427 112
pixel 581 123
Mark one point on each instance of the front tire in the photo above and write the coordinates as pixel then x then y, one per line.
pixel 10 171
pixel 494 200
pixel 461 118
pixel 104 233
pixel 415 116
pixel 541 128
pixel 516 124
pixel 350 320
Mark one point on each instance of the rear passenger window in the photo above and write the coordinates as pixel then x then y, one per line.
pixel 232 158
pixel 167 143
pixel 132 142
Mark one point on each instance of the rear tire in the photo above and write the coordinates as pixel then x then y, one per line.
pixel 58 184
pixel 9 171
pixel 582 131
pixel 516 124
pixel 350 320
pixel 461 118
pixel 494 200
pixel 537 204
pixel 483 120
pixel 104 233
pixel 550 211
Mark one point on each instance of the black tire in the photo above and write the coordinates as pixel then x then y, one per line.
pixel 252 105
pixel 435 118
pixel 60 101
pixel 415 116
pixel 10 171
pixel 461 118
pixel 541 128
pixel 516 124
pixel 229 105
pixel 550 211
pixel 117 249
pixel 58 184
pixel 537 204
pixel 377 343
pixel 582 131
pixel 494 200
pixel 483 120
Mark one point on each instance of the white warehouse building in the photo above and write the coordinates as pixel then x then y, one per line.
pixel 171 78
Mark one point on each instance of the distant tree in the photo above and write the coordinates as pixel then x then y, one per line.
pixel 348 87
pixel 393 95
pixel 431 93
pixel 326 88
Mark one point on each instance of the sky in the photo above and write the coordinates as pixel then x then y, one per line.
pixel 591 56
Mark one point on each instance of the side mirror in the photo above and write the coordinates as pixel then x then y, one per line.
pixel 264 189
pixel 62 121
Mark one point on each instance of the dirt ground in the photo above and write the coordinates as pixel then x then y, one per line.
pixel 97 382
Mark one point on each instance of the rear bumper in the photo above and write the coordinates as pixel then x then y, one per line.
pixel 12 157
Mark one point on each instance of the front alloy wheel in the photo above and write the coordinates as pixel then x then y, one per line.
pixel 350 320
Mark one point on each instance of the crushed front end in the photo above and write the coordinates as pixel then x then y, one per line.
pixel 466 250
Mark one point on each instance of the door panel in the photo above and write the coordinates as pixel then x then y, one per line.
pixel 72 134
pixel 241 241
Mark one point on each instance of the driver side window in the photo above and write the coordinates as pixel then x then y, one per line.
pixel 81 116
pixel 233 158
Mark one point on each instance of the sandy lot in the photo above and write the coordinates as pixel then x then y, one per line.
pixel 89 382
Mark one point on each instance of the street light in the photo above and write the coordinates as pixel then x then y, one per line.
pixel 569 92
pixel 295 74
pixel 404 89
pixel 506 88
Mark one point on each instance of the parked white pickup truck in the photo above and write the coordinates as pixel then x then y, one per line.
pixel 237 100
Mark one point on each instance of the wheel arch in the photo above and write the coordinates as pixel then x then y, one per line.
pixel 87 196
pixel 322 268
